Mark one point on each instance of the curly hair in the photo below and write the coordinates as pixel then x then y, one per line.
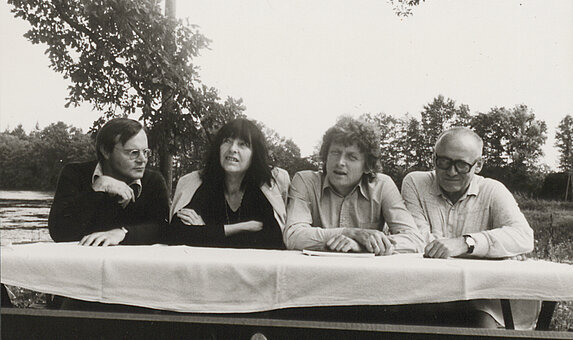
pixel 258 173
pixel 348 131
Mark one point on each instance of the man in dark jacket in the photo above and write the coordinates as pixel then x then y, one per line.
pixel 114 199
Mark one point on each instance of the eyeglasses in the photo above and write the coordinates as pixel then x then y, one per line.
pixel 135 153
pixel 445 163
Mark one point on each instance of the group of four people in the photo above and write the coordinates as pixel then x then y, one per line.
pixel 238 200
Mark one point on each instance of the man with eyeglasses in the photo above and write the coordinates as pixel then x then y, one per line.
pixel 463 214
pixel 113 199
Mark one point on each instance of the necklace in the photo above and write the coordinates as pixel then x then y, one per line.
pixel 227 207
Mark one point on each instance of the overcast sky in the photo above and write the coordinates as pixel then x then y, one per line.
pixel 298 65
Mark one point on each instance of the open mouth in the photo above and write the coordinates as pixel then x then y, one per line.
pixel 231 159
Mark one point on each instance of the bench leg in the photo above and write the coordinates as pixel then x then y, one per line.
pixel 507 316
pixel 545 315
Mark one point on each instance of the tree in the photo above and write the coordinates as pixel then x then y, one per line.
pixel 438 116
pixel 125 57
pixel 34 161
pixel 513 139
pixel 564 142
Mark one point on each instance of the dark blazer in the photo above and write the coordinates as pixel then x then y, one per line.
pixel 77 210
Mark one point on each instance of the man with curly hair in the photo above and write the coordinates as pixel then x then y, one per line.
pixel 349 206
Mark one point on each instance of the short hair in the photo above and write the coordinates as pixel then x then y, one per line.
pixel 258 173
pixel 348 131
pixel 116 130
pixel 459 131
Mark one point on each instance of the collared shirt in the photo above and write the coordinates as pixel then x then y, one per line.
pixel 316 213
pixel 487 211
pixel 135 184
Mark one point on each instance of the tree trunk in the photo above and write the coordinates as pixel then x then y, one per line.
pixel 165 156
pixel 166 166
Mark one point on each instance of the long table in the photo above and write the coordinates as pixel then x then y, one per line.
pixel 213 280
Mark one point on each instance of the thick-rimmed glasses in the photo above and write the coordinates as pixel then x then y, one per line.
pixel 462 167
pixel 136 153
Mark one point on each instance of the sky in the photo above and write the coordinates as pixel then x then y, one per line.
pixel 299 64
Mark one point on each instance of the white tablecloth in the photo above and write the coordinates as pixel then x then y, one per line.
pixel 212 280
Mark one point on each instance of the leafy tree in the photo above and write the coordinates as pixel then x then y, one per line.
pixel 125 57
pixel 564 142
pixel 513 139
pixel 391 157
pixel 34 161
pixel 438 116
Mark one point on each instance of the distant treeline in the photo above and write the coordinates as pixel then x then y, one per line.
pixel 513 139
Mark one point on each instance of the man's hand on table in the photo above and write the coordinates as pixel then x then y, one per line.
pixel 444 248
pixel 373 241
pixel 104 238
pixel 343 244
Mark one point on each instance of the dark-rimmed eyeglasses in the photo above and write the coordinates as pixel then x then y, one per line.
pixel 136 153
pixel 462 167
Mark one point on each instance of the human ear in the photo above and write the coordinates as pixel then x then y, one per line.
pixel 105 153
pixel 479 165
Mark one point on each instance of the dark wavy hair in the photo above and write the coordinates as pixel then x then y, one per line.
pixel 348 131
pixel 114 131
pixel 258 173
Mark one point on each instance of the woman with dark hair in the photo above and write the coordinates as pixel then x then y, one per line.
pixel 237 200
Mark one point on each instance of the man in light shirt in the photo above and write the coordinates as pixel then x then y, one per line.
pixel 348 205
pixel 460 213
pixel 114 199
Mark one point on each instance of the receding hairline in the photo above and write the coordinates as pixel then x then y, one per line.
pixel 459 132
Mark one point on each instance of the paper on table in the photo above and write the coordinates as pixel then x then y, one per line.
pixel 335 253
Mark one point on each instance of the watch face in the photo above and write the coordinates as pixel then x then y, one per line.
pixel 470 242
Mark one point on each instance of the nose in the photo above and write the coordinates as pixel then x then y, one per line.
pixel 341 161
pixel 234 146
pixel 452 170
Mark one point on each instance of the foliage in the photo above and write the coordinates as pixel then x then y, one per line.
pixel 403 8
pixel 34 161
pixel 564 142
pixel 284 153
pixel 126 57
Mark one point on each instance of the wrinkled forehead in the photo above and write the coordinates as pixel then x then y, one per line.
pixel 459 147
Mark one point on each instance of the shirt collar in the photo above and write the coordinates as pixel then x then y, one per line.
pixel 362 187
pixel 135 184
pixel 473 188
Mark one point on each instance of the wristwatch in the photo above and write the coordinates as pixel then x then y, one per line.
pixel 471 243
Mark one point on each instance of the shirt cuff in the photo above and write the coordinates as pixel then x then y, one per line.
pixel 482 245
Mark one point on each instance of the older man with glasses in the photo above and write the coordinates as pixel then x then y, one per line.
pixel 463 214
pixel 113 199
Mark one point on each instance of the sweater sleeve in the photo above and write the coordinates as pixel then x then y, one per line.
pixel 75 205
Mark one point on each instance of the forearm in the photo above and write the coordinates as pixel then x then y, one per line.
pixel 178 233
pixel 304 236
pixel 72 216
pixel 503 242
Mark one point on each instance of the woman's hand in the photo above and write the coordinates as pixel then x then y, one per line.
pixel 190 217
pixel 249 226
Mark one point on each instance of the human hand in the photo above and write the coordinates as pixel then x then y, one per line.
pixel 115 187
pixel 104 238
pixel 447 247
pixel 374 241
pixel 343 244
pixel 190 217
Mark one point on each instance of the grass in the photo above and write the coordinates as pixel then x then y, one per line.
pixel 552 222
